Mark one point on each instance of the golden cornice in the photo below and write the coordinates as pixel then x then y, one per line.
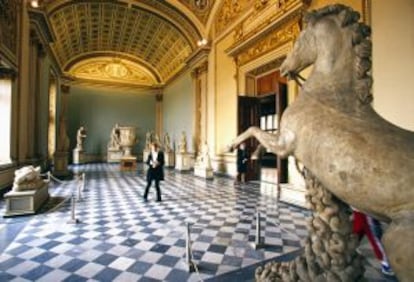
pixel 287 32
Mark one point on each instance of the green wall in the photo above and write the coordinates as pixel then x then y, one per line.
pixel 99 109
pixel 178 109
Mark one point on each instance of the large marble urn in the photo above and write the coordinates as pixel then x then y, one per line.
pixel 128 138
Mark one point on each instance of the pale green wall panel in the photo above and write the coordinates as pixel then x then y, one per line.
pixel 99 109
pixel 178 109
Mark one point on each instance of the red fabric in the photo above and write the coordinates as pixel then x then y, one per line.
pixel 361 227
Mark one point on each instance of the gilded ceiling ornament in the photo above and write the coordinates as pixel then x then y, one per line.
pixel 113 70
pixel 229 12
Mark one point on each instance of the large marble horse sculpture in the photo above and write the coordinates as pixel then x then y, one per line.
pixel 332 129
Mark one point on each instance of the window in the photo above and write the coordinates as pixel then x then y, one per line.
pixel 5 118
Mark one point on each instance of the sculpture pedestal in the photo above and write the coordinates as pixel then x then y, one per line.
pixel 169 159
pixel 114 155
pixel 25 202
pixel 128 163
pixel 78 157
pixel 203 171
pixel 60 164
pixel 184 161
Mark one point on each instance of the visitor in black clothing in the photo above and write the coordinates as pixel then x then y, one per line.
pixel 242 159
pixel 155 172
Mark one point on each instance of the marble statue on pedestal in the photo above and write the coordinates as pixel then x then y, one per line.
pixel 182 147
pixel 29 192
pixel 183 159
pixel 78 153
pixel 169 156
pixel 114 151
pixel 202 167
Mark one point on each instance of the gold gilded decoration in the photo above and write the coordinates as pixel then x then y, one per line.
pixel 8 24
pixel 96 27
pixel 113 70
pixel 288 32
pixel 200 8
pixel 229 12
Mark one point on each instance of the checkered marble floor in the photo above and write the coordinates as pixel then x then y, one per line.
pixel 122 238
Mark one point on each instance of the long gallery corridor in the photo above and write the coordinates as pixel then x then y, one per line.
pixel 122 238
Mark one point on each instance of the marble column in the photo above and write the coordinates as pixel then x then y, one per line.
pixel 158 114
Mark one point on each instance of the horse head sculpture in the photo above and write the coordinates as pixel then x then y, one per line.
pixel 332 129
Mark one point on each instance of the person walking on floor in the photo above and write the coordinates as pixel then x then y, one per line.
pixel 155 172
pixel 364 224
pixel 242 159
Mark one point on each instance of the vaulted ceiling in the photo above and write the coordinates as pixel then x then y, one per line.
pixel 139 42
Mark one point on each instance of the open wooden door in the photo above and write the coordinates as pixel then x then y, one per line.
pixel 248 116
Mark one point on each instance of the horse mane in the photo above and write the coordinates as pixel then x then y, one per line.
pixel 361 43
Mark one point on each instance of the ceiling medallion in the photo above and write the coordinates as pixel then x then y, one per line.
pixel 116 70
pixel 201 5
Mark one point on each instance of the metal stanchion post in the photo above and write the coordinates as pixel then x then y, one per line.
pixel 83 181
pixel 79 194
pixel 258 241
pixel 73 220
pixel 189 262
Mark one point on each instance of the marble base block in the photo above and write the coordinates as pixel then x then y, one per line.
pixel 169 159
pixel 79 157
pixel 184 161
pixel 114 156
pixel 25 202
pixel 204 172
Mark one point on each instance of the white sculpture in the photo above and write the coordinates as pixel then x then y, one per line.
pixel 183 143
pixel 115 142
pixel 80 135
pixel 27 178
pixel 148 141
pixel 203 158
pixel 167 143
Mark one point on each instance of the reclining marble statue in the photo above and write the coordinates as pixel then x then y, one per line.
pixel 29 192
pixel 349 152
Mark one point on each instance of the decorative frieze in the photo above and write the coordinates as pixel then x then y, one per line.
pixel 9 11
pixel 286 33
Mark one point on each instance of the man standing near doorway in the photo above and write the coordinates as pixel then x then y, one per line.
pixel 155 171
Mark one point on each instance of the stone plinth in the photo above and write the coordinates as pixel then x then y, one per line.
pixel 184 161
pixel 169 159
pixel 128 163
pixel 25 202
pixel 60 164
pixel 114 156
pixel 79 156
pixel 204 172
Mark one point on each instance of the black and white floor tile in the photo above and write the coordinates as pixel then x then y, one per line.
pixel 122 238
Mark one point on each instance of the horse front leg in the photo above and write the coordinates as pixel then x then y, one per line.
pixel 279 144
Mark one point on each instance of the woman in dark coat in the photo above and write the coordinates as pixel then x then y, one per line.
pixel 242 158
pixel 155 171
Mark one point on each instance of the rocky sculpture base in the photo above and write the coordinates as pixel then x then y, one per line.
pixel 25 202
pixel 330 249
pixel 114 155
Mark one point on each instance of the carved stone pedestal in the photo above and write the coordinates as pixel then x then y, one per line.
pixel 169 159
pixel 114 156
pixel 78 156
pixel 184 161
pixel 60 164
pixel 25 202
